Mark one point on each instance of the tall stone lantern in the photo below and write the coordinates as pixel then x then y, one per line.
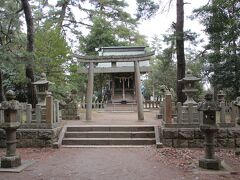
pixel 10 125
pixel 209 128
pixel 42 87
pixel 189 87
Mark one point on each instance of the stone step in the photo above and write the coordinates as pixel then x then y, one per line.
pixel 104 146
pixel 109 128
pixel 108 141
pixel 110 134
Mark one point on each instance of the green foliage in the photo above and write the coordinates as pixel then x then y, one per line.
pixel 222 21
pixel 100 35
pixel 146 9
pixel 52 51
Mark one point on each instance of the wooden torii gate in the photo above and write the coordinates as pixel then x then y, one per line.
pixel 120 58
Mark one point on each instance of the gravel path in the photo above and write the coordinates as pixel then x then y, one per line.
pixel 146 163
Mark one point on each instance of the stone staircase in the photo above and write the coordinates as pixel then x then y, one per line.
pixel 108 136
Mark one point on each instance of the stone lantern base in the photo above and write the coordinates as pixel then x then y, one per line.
pixel 213 164
pixel 10 162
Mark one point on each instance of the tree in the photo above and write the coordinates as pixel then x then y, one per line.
pixel 146 9
pixel 180 50
pixel 11 46
pixel 30 49
pixel 221 20
pixel 51 56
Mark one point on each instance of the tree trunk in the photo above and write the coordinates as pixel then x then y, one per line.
pixel 62 13
pixel 30 48
pixel 180 50
pixel 2 95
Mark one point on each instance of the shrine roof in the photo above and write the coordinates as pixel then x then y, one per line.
pixel 115 58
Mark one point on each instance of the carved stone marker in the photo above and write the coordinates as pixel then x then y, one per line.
pixel 209 128
pixel 10 125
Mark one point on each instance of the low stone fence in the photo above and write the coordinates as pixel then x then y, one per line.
pixel 43 117
pixel 193 138
pixel 95 105
pixel 39 127
pixel 148 104
pixel 188 116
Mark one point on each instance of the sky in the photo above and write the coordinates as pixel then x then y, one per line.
pixel 160 23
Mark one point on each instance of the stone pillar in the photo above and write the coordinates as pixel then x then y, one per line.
pixel 56 111
pixel 10 125
pixel 113 88
pixel 89 92
pixel 29 113
pixel 123 89
pixel 168 109
pixel 38 113
pixel 49 109
pixel 138 91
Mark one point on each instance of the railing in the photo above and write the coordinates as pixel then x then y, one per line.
pixel 189 116
pixel 40 117
pixel 148 104
pixel 95 105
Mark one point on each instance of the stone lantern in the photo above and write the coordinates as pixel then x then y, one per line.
pixel 209 128
pixel 220 96
pixel 42 87
pixel 189 87
pixel 10 125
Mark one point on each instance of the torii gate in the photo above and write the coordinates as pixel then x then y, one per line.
pixel 120 58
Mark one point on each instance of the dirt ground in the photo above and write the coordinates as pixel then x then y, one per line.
pixel 146 163
pixel 117 118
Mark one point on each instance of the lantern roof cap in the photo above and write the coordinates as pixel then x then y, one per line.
pixel 189 77
pixel 208 104
pixel 42 80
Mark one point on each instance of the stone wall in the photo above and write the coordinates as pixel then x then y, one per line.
pixel 33 137
pixel 193 138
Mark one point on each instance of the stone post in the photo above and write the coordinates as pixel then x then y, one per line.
pixel 138 91
pixel 237 103
pixel 10 125
pixel 38 113
pixel 113 88
pixel 49 109
pixel 89 92
pixel 29 113
pixel 168 109
pixel 179 113
pixel 56 111
pixel 209 128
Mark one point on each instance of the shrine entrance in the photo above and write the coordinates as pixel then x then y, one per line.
pixel 124 65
